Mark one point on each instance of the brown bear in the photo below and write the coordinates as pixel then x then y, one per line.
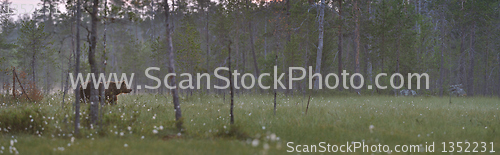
pixel 110 94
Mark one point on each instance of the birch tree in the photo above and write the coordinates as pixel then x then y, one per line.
pixel 319 53
pixel 171 68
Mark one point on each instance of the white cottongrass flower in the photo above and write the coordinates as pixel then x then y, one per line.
pixel 72 139
pixel 129 128
pixel 161 127
pixel 255 143
pixel 263 128
pixel 17 152
pixel 155 131
pixel 125 145
pixel 266 146
pixel 121 133
pixel 371 128
pixel 273 137
pixel 142 137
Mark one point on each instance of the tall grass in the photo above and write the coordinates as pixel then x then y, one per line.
pixel 148 121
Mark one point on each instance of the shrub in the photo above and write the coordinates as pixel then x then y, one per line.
pixel 22 120
pixel 30 88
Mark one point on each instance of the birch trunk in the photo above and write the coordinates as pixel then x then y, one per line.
pixel 319 53
pixel 171 69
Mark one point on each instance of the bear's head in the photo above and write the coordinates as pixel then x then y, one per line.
pixel 124 88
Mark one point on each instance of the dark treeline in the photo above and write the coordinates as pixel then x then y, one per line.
pixel 454 41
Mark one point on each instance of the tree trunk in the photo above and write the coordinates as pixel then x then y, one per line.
pixel 356 32
pixel 33 60
pixel 94 98
pixel 14 82
pixel 275 93
pixel 171 69
pixel 461 70
pixel 441 69
pixel 265 38
pixel 306 64
pixel 339 55
pixel 208 43
pixel 486 66
pixel 319 53
pixel 288 38
pixel 65 85
pixel 237 46
pixel 77 69
pixel 47 77
pixel 398 55
pixel 103 61
pixel 498 86
pixel 230 84
pixel 470 81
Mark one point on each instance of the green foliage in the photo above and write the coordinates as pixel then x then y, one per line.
pixel 32 42
pixel 395 36
pixel 29 120
pixel 188 48
pixel 32 36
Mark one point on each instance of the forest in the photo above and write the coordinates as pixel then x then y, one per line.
pixel 454 41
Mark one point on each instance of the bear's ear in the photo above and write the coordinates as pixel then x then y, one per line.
pixel 123 85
